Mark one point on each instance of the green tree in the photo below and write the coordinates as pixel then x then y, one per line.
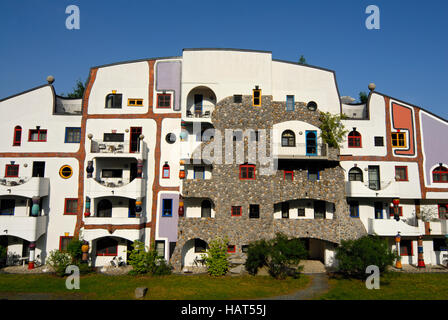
pixel 78 90
pixel 332 129
pixel 216 257
pixel 302 60
pixel 143 261
pixel 354 256
pixel 74 249
pixel 363 97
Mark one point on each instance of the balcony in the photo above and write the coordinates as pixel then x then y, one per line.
pixel 25 186
pixel 390 227
pixel 304 151
pixel 28 228
pixel 126 228
pixel 387 189
pixel 134 189
pixel 101 148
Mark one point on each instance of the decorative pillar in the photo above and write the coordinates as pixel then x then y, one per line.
pixel 181 210
pixel 138 207
pixel 89 169
pixel 87 211
pixel 421 260
pixel 182 169
pixel 35 209
pixel 32 254
pixel 85 252
pixel 139 168
pixel 397 243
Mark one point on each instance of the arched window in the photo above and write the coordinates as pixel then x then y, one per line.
pixel 104 209
pixel 355 174
pixel 288 139
pixel 206 209
pixel 440 174
pixel 166 171
pixel 17 136
pixel 106 247
pixel 354 139
pixel 311 143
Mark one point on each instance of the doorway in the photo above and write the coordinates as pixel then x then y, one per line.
pixel 38 168
pixel 134 143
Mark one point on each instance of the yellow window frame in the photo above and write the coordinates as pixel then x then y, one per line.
pixel 398 140
pixel 133 102
pixel 259 97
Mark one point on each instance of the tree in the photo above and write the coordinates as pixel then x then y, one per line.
pixel 332 129
pixel 143 261
pixel 78 90
pixel 363 97
pixel 216 257
pixel 302 60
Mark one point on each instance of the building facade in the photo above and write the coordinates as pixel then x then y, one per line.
pixel 225 143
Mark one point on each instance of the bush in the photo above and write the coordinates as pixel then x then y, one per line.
pixel 3 255
pixel 75 251
pixel 354 256
pixel 59 261
pixel 216 258
pixel 280 255
pixel 143 262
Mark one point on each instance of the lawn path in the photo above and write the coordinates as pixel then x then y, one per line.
pixel 319 285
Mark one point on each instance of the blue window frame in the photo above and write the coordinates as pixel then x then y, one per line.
pixel 167 207
pixel 289 103
pixel 198 173
pixel 72 135
pixel 354 209
pixel 7 207
pixel 313 174
pixel 311 142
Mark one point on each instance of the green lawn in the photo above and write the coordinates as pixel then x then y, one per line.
pixel 393 286
pixel 173 287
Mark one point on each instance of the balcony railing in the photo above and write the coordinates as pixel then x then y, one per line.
pixel 25 186
pixel 15 181
pixel 301 150
pixel 118 147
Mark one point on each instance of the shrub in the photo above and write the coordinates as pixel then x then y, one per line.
pixel 281 255
pixel 216 258
pixel 332 129
pixel 143 261
pixel 3 255
pixel 354 256
pixel 59 261
pixel 74 249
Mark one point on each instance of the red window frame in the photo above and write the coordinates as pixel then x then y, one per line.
pixel 441 205
pixel 66 206
pixel 231 248
pixel 288 171
pixel 405 170
pixel 407 253
pixel 440 170
pixel 60 241
pixel 17 142
pixel 391 211
pixel 6 171
pixel 354 138
pixel 246 167
pixel 107 254
pixel 39 132
pixel 236 211
pixel 165 176
pixel 162 97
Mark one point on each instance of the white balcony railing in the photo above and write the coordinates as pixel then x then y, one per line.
pixel 122 148
pixel 134 189
pixel 28 228
pixel 301 151
pixel 25 187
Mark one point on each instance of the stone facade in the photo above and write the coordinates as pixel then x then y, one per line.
pixel 225 189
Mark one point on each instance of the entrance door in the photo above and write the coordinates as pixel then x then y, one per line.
pixel 38 168
pixel 374 177
pixel 134 142
pixel 311 143
pixel 198 104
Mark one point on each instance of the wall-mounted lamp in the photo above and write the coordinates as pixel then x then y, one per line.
pixel 90 136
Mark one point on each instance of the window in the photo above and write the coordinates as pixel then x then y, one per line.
pixel 237 135
pixel 378 210
pixel 113 137
pixel 289 103
pixel 312 106
pixel 254 211
pixel 131 208
pixel 313 174
pixel 7 207
pixel 66 172
pixel 285 210
pixel 354 209
pixel 170 138
pixel 379 141
pixel 319 209
pixel 300 212
pixel 70 206
pixel 113 101
pixel 11 170
pixel 400 211
pixel 160 248
pixel 38 135
pixel 104 209
pixel 237 98
pixel 206 209
pixel 72 135
pixel 399 139
pixel 135 102
pixel 166 171
pixel 406 248
pixel 167 208
pixel 440 174
pixel 247 172
pixel 355 174
pixel 401 173
pixel 288 139
pixel 17 136
pixel 244 248
pixel 198 173
pixel 64 242
pixel 200 246
pixel 255 136
pixel 288 175
pixel 231 248
pixel 354 139
pixel 106 247
pixel 443 211
pixel 163 100
pixel 112 173
pixel 440 244
pixel 236 211
pixel 256 97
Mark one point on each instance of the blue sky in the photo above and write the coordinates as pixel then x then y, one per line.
pixel 406 58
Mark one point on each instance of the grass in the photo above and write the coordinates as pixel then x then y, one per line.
pixel 393 286
pixel 173 287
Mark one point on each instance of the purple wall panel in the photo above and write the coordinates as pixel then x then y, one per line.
pixel 168 78
pixel 168 225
